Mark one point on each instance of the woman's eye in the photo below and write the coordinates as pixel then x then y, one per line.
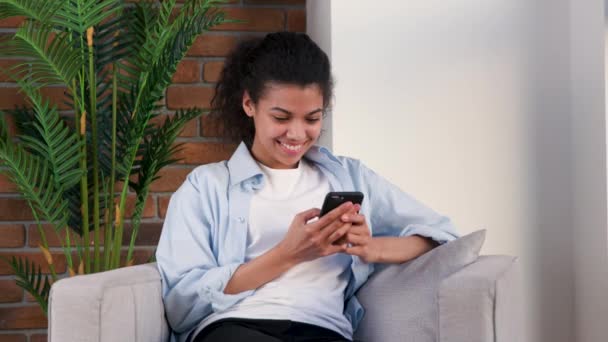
pixel 312 120
pixel 280 118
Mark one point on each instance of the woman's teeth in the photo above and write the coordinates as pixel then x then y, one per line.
pixel 294 148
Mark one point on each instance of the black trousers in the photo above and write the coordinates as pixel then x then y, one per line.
pixel 265 330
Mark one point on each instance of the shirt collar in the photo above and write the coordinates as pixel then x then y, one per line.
pixel 242 166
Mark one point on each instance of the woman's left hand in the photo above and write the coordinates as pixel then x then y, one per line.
pixel 362 244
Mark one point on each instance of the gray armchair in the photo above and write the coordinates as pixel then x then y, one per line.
pixel 477 303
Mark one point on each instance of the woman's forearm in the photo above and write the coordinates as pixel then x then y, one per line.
pixel 272 264
pixel 258 272
pixel 396 250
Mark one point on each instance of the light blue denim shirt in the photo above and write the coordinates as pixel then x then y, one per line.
pixel 204 236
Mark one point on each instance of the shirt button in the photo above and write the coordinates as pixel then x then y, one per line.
pixel 241 219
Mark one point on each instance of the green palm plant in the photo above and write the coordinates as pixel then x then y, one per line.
pixel 115 61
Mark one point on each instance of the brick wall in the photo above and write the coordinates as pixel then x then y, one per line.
pixel 21 319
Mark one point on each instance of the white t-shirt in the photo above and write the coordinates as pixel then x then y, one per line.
pixel 310 292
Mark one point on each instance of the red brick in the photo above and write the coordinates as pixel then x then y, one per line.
pixel 170 179
pixel 14 209
pixel 296 20
pixel 188 97
pixel 190 129
pixel 211 126
pixel 39 338
pixel 25 317
pixel 11 97
pixel 188 71
pixel 29 298
pixel 276 2
pixel 13 338
pixel 57 97
pixel 6 64
pixel 212 45
pixel 163 203
pixel 6 186
pixel 12 128
pixel 148 234
pixel 11 22
pixel 212 71
pixel 53 239
pixel 254 19
pixel 9 291
pixel 149 207
pixel 12 235
pixel 204 152
pixel 38 260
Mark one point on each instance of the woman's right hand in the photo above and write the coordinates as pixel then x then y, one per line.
pixel 308 241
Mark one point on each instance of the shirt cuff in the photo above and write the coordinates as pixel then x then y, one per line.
pixel 437 235
pixel 214 282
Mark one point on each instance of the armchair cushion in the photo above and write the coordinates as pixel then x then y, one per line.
pixel 400 301
pixel 120 305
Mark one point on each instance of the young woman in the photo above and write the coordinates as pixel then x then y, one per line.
pixel 243 254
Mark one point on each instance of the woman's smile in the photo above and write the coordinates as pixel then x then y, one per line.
pixel 291 148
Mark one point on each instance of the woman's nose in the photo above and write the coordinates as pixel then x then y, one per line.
pixel 295 131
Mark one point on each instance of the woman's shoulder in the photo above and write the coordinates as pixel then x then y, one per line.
pixel 209 176
pixel 353 165
pixel 344 161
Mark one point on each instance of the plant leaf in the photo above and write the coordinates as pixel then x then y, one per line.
pixel 30 278
pixel 34 9
pixel 31 174
pixel 50 57
pixel 79 15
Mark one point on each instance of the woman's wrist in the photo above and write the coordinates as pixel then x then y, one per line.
pixel 396 250
pixel 259 271
pixel 282 257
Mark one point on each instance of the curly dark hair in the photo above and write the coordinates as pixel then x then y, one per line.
pixel 281 57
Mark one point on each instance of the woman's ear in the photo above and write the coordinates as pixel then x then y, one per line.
pixel 248 105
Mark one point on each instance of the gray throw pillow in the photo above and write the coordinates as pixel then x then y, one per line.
pixel 400 301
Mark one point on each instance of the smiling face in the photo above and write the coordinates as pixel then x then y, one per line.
pixel 287 121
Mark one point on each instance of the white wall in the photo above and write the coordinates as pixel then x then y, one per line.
pixel 480 110
pixel 589 170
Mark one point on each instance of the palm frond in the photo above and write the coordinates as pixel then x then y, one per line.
pixel 79 15
pixel 30 278
pixel 158 152
pixel 51 59
pixel 24 118
pixel 184 31
pixel 3 127
pixel 34 9
pixel 152 85
pixel 160 148
pixel 112 41
pixel 72 197
pixel 166 9
pixel 164 58
pixel 141 23
pixel 58 144
pixel 33 178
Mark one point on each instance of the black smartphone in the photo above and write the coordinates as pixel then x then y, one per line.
pixel 335 198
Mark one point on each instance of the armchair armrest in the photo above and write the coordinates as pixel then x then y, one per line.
pixel 480 302
pixel 119 305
